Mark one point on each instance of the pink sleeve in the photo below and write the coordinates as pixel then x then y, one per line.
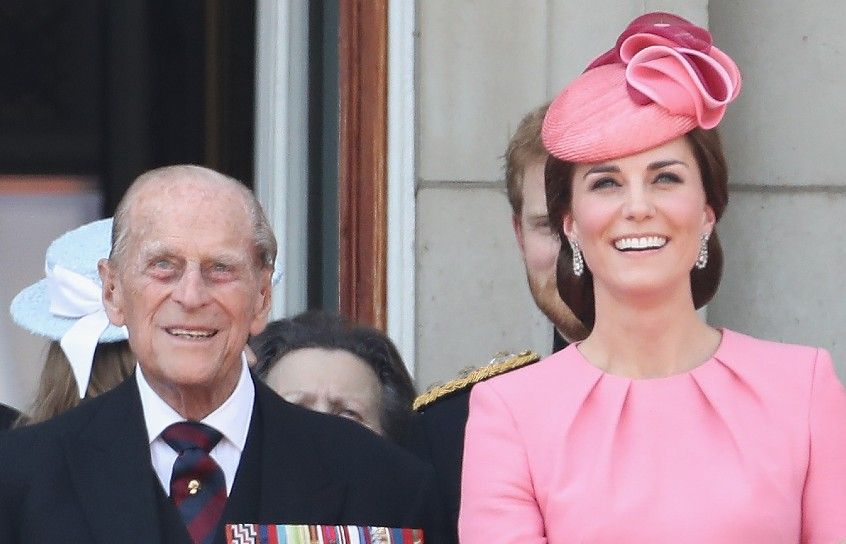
pixel 824 499
pixel 497 498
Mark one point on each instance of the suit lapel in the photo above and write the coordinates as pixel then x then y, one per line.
pixel 109 459
pixel 281 477
pixel 243 501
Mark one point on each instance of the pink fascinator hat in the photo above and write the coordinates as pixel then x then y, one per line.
pixel 661 80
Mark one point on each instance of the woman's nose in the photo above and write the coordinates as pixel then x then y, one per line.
pixel 638 204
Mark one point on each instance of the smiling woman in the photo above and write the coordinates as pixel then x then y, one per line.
pixel 704 157
pixel 655 428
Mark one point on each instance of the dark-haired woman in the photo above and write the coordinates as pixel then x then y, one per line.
pixel 328 364
pixel 657 427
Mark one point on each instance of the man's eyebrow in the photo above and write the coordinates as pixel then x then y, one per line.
pixel 153 249
pixel 537 216
pixel 227 258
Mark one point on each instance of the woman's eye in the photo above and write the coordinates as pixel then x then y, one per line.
pixel 667 177
pixel 603 183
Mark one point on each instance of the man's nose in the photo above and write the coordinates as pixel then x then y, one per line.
pixel 191 291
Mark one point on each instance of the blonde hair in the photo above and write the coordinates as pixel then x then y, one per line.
pixel 57 388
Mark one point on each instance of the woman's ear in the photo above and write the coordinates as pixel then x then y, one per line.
pixel 568 225
pixel 710 219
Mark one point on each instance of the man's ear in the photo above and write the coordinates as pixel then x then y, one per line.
pixel 262 302
pixel 517 225
pixel 112 294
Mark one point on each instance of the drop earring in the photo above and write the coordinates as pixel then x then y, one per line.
pixel 578 260
pixel 702 260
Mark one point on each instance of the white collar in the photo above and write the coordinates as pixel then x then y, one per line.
pixel 232 418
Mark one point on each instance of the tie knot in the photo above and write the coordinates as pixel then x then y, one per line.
pixel 191 435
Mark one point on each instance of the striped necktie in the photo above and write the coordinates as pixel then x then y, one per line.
pixel 197 485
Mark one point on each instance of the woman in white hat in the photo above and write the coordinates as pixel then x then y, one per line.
pixel 86 355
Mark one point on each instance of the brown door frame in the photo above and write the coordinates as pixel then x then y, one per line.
pixel 363 59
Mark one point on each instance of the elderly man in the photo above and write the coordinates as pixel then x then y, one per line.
pixel 192 448
pixel 444 409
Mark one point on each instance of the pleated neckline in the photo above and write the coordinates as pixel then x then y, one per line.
pixel 716 357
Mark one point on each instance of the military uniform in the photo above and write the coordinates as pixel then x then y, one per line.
pixel 439 430
pixel 8 415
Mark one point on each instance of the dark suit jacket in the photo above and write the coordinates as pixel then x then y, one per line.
pixel 439 439
pixel 8 415
pixel 86 476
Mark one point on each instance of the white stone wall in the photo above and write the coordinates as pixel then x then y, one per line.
pixel 483 64
pixel 783 232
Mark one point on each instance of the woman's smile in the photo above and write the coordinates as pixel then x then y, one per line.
pixel 640 243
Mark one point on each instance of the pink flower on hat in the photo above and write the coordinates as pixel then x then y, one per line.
pixel 672 62
pixel 662 79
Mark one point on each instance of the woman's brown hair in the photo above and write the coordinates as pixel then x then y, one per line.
pixel 57 389
pixel 577 291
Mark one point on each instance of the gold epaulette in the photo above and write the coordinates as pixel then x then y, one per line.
pixel 499 365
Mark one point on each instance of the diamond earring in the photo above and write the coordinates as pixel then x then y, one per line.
pixel 578 261
pixel 702 260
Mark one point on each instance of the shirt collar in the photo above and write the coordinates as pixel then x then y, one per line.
pixel 232 418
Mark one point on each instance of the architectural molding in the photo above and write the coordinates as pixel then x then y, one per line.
pixel 362 161
pixel 281 145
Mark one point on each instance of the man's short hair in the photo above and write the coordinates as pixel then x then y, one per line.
pixel 524 148
pixel 263 237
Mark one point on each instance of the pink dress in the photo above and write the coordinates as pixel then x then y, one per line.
pixel 749 447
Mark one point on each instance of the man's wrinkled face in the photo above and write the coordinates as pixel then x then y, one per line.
pixel 189 286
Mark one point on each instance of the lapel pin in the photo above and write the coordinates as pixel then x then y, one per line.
pixel 193 487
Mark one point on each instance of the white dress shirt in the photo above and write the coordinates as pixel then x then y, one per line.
pixel 232 419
